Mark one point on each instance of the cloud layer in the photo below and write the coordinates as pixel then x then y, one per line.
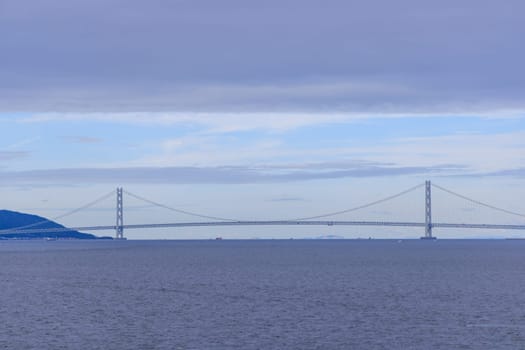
pixel 288 55
pixel 12 155
pixel 216 175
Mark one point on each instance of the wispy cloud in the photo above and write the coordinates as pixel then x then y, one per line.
pixel 216 122
pixel 11 155
pixel 212 175
pixel 475 152
pixel 516 172
pixel 287 199
pixel 82 139
pixel 22 143
pixel 482 152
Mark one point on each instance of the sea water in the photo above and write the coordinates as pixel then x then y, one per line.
pixel 262 294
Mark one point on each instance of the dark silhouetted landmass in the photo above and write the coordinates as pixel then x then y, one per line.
pixel 12 219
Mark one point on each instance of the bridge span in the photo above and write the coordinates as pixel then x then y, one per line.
pixel 272 223
pixel 427 224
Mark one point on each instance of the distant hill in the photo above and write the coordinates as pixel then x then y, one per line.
pixel 330 237
pixel 12 219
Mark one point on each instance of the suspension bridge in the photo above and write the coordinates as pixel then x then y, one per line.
pixel 427 224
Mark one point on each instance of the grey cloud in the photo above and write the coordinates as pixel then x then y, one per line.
pixel 201 175
pixel 518 172
pixel 378 55
pixel 10 155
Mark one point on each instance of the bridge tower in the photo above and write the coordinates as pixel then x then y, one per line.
pixel 428 211
pixel 119 228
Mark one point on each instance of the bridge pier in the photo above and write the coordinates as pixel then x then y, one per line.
pixel 119 227
pixel 428 211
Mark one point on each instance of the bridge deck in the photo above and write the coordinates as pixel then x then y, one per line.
pixel 270 223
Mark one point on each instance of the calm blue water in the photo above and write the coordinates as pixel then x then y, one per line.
pixel 262 295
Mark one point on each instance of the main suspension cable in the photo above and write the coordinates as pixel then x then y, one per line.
pixel 180 211
pixel 478 202
pixel 361 206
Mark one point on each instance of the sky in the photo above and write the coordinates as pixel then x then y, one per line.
pixel 261 109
